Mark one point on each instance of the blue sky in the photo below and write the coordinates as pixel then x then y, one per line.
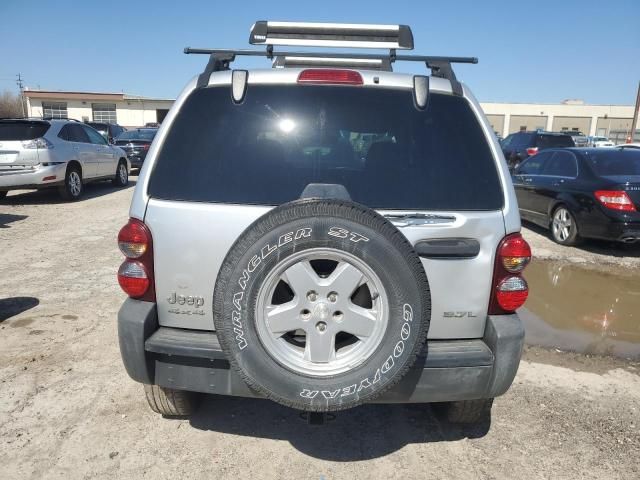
pixel 542 51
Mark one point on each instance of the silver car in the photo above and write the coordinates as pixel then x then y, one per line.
pixel 57 153
pixel 272 252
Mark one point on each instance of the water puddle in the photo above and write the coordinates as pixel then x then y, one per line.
pixel 583 310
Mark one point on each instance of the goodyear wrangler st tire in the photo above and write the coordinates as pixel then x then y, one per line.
pixel 321 305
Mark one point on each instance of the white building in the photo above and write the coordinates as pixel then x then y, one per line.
pixel 126 110
pixel 612 121
pixel 603 120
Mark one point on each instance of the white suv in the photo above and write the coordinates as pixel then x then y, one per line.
pixel 324 233
pixel 57 153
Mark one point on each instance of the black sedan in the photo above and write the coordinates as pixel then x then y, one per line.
pixel 136 144
pixel 582 193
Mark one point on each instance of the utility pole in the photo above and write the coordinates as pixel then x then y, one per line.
pixel 21 87
pixel 634 122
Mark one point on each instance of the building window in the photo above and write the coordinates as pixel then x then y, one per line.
pixel 54 110
pixel 104 112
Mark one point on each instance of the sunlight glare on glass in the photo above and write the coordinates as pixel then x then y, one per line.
pixel 287 125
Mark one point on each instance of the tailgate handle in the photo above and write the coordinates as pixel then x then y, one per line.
pixel 448 248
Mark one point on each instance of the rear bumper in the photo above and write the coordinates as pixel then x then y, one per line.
pixel 612 229
pixel 192 360
pixel 28 177
pixel 136 160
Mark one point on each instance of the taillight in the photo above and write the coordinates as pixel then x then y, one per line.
pixel 509 289
pixel 134 239
pixel 135 275
pixel 615 200
pixel 515 253
pixel 133 278
pixel 37 143
pixel 532 151
pixel 325 75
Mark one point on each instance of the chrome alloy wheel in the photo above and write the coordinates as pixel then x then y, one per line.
pixel 75 183
pixel 562 224
pixel 321 312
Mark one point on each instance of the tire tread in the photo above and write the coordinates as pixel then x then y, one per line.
pixel 170 402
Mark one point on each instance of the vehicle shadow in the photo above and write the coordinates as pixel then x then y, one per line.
pixel 6 218
pixel 10 307
pixel 601 247
pixel 50 196
pixel 362 433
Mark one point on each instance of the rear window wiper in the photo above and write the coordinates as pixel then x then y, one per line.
pixel 410 219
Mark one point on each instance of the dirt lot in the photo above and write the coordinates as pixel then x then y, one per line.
pixel 68 409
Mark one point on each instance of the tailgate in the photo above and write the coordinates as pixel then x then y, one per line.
pixel 189 261
pixel 13 154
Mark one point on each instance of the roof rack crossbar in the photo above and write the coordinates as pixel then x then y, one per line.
pixel 440 66
pixel 370 56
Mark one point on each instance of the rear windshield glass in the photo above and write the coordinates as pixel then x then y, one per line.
pixel 374 142
pixel 615 162
pixel 22 130
pixel 551 141
pixel 98 126
pixel 137 135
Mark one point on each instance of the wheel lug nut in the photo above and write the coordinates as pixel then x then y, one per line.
pixel 333 297
pixel 337 316
pixel 306 314
pixel 312 296
pixel 321 326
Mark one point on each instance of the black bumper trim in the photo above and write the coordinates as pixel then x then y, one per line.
pixel 447 370
pixel 200 344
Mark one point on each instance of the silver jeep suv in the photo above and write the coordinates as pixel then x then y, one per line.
pixel 57 153
pixel 324 233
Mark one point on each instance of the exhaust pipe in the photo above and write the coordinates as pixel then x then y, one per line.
pixel 629 240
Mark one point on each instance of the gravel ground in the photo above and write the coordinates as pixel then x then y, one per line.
pixel 68 409
pixel 590 253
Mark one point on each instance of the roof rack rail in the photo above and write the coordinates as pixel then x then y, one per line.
pixel 392 37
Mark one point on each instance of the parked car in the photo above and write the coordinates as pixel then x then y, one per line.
pixel 108 130
pixel 57 153
pixel 521 145
pixel 579 138
pixel 265 259
pixel 598 142
pixel 582 193
pixel 136 144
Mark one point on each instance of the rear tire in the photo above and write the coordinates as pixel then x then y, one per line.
pixel 122 175
pixel 564 228
pixel 467 411
pixel 73 187
pixel 170 402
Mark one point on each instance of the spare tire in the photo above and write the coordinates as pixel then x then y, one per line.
pixel 321 305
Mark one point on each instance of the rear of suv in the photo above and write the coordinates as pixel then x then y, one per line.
pixel 296 235
pixel 65 154
pixel 521 145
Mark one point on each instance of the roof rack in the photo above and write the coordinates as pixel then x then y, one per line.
pixel 331 35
